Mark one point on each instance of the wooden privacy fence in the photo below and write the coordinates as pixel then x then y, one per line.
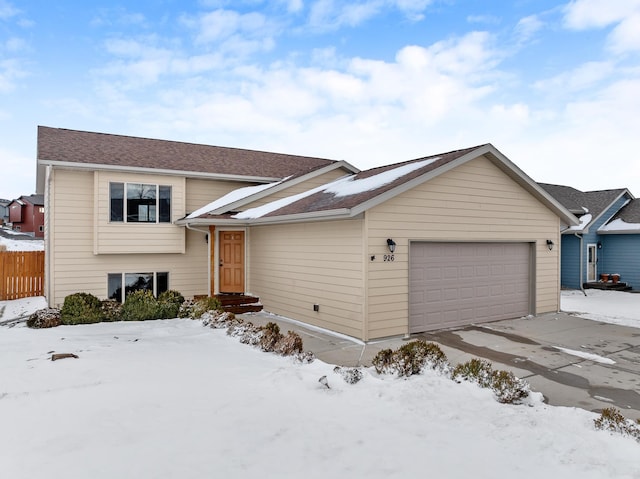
pixel 21 274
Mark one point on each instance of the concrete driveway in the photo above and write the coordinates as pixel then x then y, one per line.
pixel 571 361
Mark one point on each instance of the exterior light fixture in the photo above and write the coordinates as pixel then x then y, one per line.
pixel 550 244
pixel 392 245
pixel 599 245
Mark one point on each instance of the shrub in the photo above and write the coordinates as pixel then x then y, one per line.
pixel 81 308
pixel 289 345
pixel 612 420
pixel 246 332
pixel 196 308
pixel 508 388
pixel 505 385
pixel 410 359
pixel 350 375
pixel 219 319
pixel 475 370
pixel 140 305
pixel 169 303
pixel 270 337
pixel 111 310
pixel 44 318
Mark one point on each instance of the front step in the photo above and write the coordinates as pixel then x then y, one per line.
pixel 239 303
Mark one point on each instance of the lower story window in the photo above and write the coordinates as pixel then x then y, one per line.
pixel 120 285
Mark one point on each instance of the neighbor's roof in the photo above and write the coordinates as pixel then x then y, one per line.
pixel 37 200
pixel 58 146
pixel 625 221
pixel 589 205
pixel 349 196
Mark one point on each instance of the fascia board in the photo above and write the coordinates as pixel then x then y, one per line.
pixel 157 171
pixel 607 209
pixel 341 213
pixel 620 232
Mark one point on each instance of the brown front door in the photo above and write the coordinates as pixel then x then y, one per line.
pixel 232 261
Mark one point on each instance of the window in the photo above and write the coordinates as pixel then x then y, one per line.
pixel 139 203
pixel 119 283
pixel 41 228
pixel 41 209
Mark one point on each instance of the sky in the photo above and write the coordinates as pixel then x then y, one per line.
pixel 554 85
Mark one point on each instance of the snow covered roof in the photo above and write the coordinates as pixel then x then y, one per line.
pixel 350 196
pixel 587 205
pixel 625 221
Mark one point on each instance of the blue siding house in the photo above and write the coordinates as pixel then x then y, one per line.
pixel 607 240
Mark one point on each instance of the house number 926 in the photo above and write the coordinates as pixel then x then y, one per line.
pixel 389 257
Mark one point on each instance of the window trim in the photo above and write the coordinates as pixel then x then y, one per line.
pixel 123 288
pixel 159 211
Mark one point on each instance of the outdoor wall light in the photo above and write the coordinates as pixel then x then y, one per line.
pixel 599 245
pixel 550 244
pixel 391 244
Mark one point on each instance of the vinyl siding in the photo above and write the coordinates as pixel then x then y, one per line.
pixel 132 238
pixel 294 266
pixel 592 237
pixel 570 262
pixel 620 254
pixel 74 267
pixel 474 202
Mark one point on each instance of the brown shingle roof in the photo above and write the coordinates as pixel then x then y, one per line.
pixel 87 148
pixel 323 201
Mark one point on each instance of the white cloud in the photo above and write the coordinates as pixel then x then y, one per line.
pixel 527 27
pixel 331 14
pixel 626 36
pixel 7 10
pixel 583 77
pixel 583 14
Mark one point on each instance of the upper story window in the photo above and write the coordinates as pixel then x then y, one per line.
pixel 139 203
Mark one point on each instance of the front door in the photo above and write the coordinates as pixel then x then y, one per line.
pixel 232 261
pixel 592 263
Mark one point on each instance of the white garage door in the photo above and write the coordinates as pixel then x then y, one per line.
pixel 455 284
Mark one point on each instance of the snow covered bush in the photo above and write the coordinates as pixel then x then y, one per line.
pixel 505 385
pixel 508 388
pixel 270 337
pixel 44 318
pixel 350 375
pixel 289 345
pixel 612 420
pixel 475 370
pixel 195 308
pixel 81 308
pixel 411 358
pixel 219 319
pixel 246 332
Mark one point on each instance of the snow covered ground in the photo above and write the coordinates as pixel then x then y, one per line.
pixel 20 244
pixel 173 399
pixel 606 306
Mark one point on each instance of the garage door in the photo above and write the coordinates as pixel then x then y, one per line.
pixel 455 284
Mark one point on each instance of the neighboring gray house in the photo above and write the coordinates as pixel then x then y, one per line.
pixel 607 240
pixel 4 211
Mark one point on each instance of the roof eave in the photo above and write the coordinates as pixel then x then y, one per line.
pixel 156 171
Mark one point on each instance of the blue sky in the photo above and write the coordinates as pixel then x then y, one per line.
pixel 553 85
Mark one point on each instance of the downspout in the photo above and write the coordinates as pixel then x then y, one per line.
pixel 581 262
pixel 47 229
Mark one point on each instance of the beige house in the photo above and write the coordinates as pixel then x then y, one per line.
pixel 442 241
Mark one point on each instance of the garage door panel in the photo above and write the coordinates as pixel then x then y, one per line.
pixel 464 283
